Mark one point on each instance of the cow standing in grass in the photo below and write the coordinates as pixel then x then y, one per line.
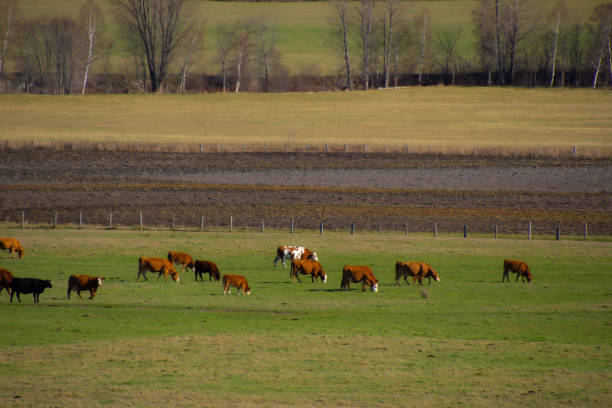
pixel 84 282
pixel 519 267
pixel 29 285
pixel 290 253
pixel 6 277
pixel 12 246
pixel 358 273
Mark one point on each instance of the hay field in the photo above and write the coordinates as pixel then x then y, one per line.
pixel 473 341
pixel 442 117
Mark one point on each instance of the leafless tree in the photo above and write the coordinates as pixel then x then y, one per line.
pixel 520 22
pixel 267 54
pixel 8 13
pixel 342 14
pixel 366 14
pixel 558 14
pixel 190 55
pixel 225 43
pixel 601 31
pixel 62 34
pixel 423 22
pixel 446 42
pixel 157 27
pixel 244 44
pixel 483 18
pixel 91 20
pixel 390 20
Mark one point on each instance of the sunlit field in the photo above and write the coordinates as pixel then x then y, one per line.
pixel 473 341
pixel 454 117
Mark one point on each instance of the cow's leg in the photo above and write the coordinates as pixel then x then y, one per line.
pixel 34 296
pixel 12 293
pixel 517 276
pixel 79 293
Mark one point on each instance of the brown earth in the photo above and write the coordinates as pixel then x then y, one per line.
pixel 387 189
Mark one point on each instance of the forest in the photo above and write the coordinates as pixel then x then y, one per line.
pixel 181 46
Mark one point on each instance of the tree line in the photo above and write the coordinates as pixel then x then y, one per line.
pixel 381 43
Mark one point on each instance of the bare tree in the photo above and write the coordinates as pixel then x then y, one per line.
pixel 366 14
pixel 424 26
pixel 225 43
pixel 91 20
pixel 243 48
pixel 191 55
pixel 267 54
pixel 446 42
pixel 601 31
pixel 391 14
pixel 342 13
pixel 8 12
pixel 559 12
pixel 157 26
pixel 521 22
pixel 484 30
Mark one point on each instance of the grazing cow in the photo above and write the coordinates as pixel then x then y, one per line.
pixel 417 270
pixel 12 246
pixel 181 258
pixel 237 281
pixel 358 273
pixel 29 285
pixel 6 277
pixel 159 265
pixel 307 267
pixel 206 267
pixel 84 282
pixel 293 252
pixel 519 267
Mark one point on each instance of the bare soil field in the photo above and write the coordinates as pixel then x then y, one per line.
pixel 387 189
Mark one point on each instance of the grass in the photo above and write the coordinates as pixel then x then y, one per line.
pixel 304 30
pixel 442 117
pixel 475 341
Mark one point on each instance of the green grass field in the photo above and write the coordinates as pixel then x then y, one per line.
pixel 304 31
pixel 442 117
pixel 475 341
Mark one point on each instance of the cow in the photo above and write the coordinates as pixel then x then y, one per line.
pixel 307 267
pixel 358 273
pixel 12 246
pixel 29 285
pixel 238 281
pixel 159 265
pixel 519 267
pixel 293 252
pixel 417 270
pixel 84 282
pixel 6 277
pixel 206 267
pixel 181 258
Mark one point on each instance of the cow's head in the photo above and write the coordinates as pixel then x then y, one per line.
pixel 20 252
pixel 374 286
pixel 433 274
pixel 314 257
pixel 529 276
pixel 47 284
pixel 174 274
pixel 323 277
pixel 100 280
pixel 247 290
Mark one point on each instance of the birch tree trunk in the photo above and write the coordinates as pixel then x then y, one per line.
pixel 366 11
pixel 423 44
pixel 9 22
pixel 554 54
pixel 500 68
pixel 341 7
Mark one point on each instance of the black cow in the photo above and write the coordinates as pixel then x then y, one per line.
pixel 29 285
pixel 206 267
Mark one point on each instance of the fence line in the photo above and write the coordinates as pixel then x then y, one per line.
pixel 291 223
pixel 572 151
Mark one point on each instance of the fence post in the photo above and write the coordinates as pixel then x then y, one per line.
pixel 321 228
pixel 221 148
pixel 80 220
pixel 379 228
pixel 263 227
pixel 352 228
pixel 243 148
pixel 307 147
pixel 464 230
pixel 22 219
pixel 586 231
pixel 326 148
pixel 265 148
pixel 292 225
pixel 345 148
pixel 201 148
pixel 574 150
pixel 365 148
pixel 529 231
pixel 405 229
pixel 140 219
pixel 55 220
pixel 231 223
pixel 173 221
pixel 110 220
pixel 495 231
pixel 435 229
pixel 201 223
pixel 558 233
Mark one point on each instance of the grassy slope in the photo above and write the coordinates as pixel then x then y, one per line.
pixel 474 341
pixel 458 117
pixel 303 29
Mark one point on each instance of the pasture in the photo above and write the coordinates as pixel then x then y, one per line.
pixel 439 118
pixel 475 341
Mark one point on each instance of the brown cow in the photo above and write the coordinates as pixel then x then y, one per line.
pixel 417 270
pixel 293 252
pixel 307 267
pixel 84 282
pixel 238 281
pixel 159 265
pixel 6 277
pixel 519 267
pixel 358 273
pixel 13 246
pixel 206 267
pixel 181 258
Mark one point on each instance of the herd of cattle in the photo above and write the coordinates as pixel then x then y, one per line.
pixel 303 262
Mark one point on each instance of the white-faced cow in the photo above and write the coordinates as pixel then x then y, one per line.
pixel 358 273
pixel 290 253
pixel 84 282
